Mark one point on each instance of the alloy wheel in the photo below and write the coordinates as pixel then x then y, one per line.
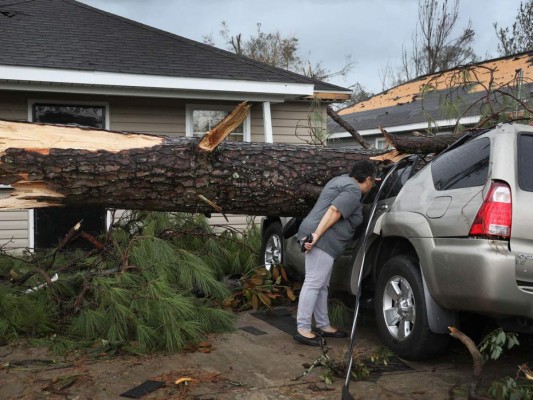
pixel 399 309
pixel 273 250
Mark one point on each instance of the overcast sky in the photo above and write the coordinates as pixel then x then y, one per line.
pixel 371 31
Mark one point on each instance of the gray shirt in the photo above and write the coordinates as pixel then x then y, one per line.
pixel 344 193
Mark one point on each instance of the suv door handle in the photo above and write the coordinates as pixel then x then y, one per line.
pixel 383 207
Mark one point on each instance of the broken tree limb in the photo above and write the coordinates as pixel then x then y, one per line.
pixel 60 166
pixel 477 361
pixel 350 129
pixel 216 135
pixel 417 143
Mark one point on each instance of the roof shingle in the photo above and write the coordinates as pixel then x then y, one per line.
pixel 71 35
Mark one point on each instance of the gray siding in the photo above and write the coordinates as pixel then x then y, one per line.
pixel 289 122
pixel 156 116
pixel 14 229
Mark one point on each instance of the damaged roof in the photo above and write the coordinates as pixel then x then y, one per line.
pixel 505 71
pixel 66 34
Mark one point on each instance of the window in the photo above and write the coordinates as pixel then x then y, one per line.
pixel 202 118
pixel 464 166
pixel 51 224
pixel 381 144
pixel 525 165
pixel 91 116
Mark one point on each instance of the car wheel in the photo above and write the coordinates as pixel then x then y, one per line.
pixel 272 245
pixel 401 314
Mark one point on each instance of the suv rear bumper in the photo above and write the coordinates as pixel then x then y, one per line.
pixel 474 275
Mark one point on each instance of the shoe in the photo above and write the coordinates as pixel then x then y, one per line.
pixel 337 334
pixel 316 341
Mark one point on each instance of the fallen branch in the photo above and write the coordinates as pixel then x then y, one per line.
pixel 350 129
pixel 477 360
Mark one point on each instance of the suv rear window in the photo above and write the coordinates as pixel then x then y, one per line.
pixel 465 166
pixel 525 165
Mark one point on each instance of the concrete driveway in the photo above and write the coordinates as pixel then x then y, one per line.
pixel 258 361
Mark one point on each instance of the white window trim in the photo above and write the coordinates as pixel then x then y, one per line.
pixel 380 140
pixel 189 108
pixel 107 125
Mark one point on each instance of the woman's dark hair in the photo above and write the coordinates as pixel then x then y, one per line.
pixel 362 169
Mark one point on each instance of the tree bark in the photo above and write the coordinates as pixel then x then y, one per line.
pixel 57 166
pixel 416 143
pixel 51 165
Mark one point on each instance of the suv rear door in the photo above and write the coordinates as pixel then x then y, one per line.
pixel 459 177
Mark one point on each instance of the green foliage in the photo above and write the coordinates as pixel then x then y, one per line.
pixel 25 314
pixel 157 284
pixel 511 389
pixel 507 388
pixel 493 344
pixel 340 315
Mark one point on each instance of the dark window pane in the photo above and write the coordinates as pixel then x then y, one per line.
pixel 525 162
pixel 92 116
pixel 396 181
pixel 465 166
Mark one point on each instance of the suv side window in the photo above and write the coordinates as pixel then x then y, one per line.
pixel 525 170
pixel 396 181
pixel 394 184
pixel 465 166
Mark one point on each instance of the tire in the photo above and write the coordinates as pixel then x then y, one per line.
pixel 401 314
pixel 272 246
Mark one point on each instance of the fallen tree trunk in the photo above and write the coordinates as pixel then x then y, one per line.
pixel 51 165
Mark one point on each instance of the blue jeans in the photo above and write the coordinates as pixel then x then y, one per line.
pixel 313 299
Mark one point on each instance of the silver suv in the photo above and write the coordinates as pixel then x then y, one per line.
pixel 452 236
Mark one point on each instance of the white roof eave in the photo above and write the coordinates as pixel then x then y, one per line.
pixel 410 127
pixel 113 83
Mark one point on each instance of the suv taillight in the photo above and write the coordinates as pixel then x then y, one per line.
pixel 494 217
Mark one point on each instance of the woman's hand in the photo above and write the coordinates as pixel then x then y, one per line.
pixel 309 245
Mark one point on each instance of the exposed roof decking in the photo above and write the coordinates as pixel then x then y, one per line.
pixel 505 70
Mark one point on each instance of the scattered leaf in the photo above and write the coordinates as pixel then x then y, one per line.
pixel 284 274
pixel 290 294
pixel 184 380
pixel 256 280
pixel 265 299
pixel 255 302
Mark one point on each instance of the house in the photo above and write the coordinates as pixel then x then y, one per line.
pixel 62 61
pixel 420 104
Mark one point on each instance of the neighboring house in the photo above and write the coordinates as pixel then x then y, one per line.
pixel 65 62
pixel 419 104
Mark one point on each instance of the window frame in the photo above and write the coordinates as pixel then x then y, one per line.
pixel 73 103
pixel 190 108
pixel 378 141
